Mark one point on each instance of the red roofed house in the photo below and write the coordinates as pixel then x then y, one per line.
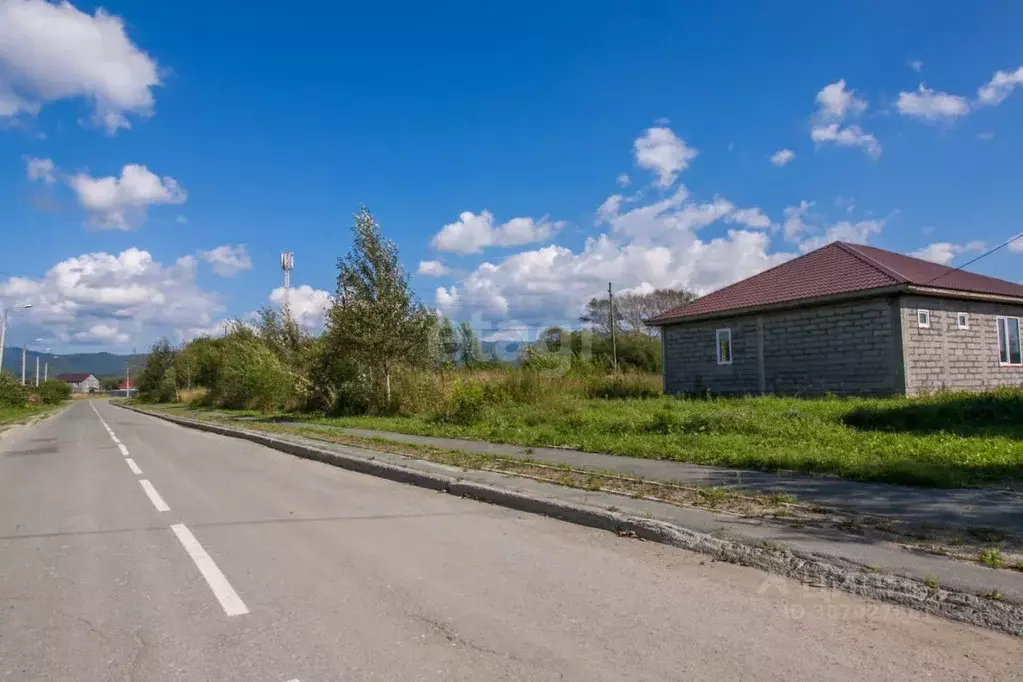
pixel 847 319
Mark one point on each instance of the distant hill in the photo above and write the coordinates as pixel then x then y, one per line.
pixel 100 364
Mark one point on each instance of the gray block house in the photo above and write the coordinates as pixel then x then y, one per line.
pixel 81 382
pixel 847 319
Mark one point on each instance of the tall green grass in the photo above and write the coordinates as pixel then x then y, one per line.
pixel 946 440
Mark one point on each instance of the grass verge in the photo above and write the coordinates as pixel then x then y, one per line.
pixel 945 441
pixel 10 416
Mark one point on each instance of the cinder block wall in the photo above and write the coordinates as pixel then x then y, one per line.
pixel 944 357
pixel 844 348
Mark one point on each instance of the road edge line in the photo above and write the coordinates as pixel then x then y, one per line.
pixel 816 570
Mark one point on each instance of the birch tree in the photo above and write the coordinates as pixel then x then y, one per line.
pixel 375 319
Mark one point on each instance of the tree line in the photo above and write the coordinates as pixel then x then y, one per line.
pixel 375 328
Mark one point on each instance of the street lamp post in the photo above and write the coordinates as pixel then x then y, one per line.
pixel 3 330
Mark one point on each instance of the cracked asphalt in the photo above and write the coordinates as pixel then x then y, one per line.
pixel 290 569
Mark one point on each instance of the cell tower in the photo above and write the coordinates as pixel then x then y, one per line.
pixel 287 265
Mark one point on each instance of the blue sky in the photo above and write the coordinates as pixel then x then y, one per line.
pixel 484 139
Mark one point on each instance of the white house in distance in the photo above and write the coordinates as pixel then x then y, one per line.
pixel 80 382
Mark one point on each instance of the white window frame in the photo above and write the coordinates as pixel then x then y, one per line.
pixel 717 346
pixel 999 322
pixel 963 320
pixel 925 323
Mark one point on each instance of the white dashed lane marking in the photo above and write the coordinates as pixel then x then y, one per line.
pixel 154 496
pixel 222 590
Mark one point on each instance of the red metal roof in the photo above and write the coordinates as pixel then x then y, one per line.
pixel 838 268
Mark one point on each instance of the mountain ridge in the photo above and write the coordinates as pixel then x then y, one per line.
pixel 100 364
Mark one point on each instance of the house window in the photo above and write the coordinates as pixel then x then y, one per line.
pixel 923 319
pixel 724 339
pixel 963 320
pixel 1009 352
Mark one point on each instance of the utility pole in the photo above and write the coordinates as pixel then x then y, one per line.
pixel 3 330
pixel 37 371
pixel 611 323
pixel 23 366
pixel 46 371
pixel 127 377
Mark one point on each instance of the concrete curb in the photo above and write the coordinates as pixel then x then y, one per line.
pixel 816 570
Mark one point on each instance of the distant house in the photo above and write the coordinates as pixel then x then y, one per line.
pixel 847 319
pixel 126 384
pixel 80 382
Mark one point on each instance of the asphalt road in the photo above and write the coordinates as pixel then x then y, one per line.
pixel 262 566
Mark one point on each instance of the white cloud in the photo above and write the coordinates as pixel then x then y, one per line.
pixel 987 137
pixel 228 260
pixel 122 203
pixel 623 180
pixel 845 231
pixel 999 87
pixel 308 306
pixel 53 51
pixel 852 136
pixel 945 252
pixel 473 233
pixel 1017 245
pixel 181 220
pixel 930 105
pixel 609 208
pixel 102 333
pixel 661 151
pixel 554 282
pixel 675 214
pixel 794 224
pixel 782 157
pixel 106 298
pixel 834 105
pixel 916 65
pixel 432 268
pixel 750 217
pixel 835 102
pixel 657 244
pixel 40 170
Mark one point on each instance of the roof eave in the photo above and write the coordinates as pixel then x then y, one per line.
pixel 970 295
pixel 782 305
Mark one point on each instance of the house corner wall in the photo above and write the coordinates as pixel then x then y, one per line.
pixel 848 348
pixel 943 357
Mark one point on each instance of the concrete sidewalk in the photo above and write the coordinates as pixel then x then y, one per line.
pixel 971 507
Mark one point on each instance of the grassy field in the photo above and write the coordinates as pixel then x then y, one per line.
pixel 950 440
pixel 16 415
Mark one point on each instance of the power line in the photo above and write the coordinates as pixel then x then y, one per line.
pixel 983 255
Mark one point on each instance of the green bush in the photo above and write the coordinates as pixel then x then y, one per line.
pixel 253 377
pixel 467 405
pixel 54 391
pixel 353 397
pixel 526 387
pixel 12 393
